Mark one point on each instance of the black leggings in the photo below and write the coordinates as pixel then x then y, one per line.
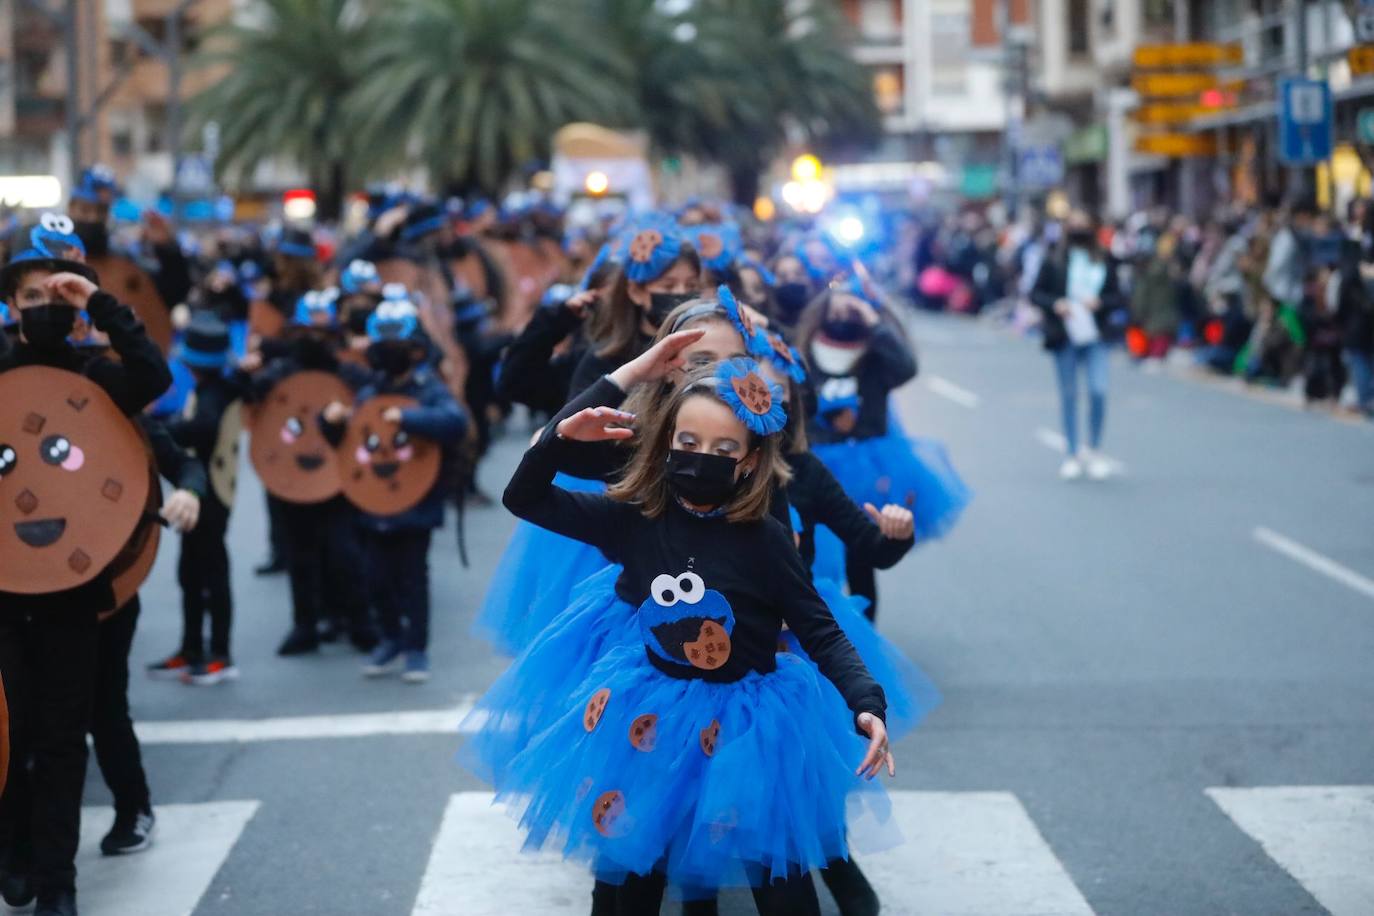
pixel 863 581
pixel 642 895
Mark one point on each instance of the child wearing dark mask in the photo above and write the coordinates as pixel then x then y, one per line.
pixel 859 356
pixel 660 270
pixel 791 295
pixel 48 283
pixel 321 544
pixel 396 546
pixel 208 426
pixel 706 703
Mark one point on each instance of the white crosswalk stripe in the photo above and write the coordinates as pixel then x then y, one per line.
pixel 965 853
pixel 190 844
pixel 1322 835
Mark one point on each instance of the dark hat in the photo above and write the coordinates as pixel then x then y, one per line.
pixel 97 185
pixel 423 219
pixel 296 243
pixel 205 343
pixel 54 246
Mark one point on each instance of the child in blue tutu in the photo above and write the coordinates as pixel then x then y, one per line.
pixel 700 757
pixel 859 354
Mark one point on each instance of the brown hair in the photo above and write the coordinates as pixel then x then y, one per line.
pixel 647 399
pixel 615 325
pixel 814 315
pixel 296 275
pixel 645 483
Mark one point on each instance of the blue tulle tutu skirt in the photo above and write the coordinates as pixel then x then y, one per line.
pixel 535 578
pixel 532 693
pixel 717 785
pixel 910 694
pixel 911 471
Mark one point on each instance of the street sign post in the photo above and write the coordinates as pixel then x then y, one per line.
pixel 1040 167
pixel 1305 122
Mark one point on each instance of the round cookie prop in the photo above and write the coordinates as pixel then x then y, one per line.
pixel 4 738
pixel 73 480
pixel 127 282
pixel 289 452
pixel 129 570
pixel 385 470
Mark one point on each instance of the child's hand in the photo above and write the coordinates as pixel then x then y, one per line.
pixel 594 424
pixel 878 752
pixel 894 521
pixel 70 288
pixel 182 510
pixel 336 413
pixel 657 361
pixel 392 415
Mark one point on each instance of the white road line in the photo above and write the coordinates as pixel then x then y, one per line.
pixel 190 844
pixel 1314 561
pixel 966 854
pixel 305 728
pixel 1056 442
pixel 950 391
pixel 476 868
pixel 1322 835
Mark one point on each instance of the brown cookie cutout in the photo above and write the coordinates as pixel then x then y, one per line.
pixel 608 812
pixel 644 732
pixel 711 649
pixel 709 736
pixel 596 708
pixel 644 245
pixel 753 392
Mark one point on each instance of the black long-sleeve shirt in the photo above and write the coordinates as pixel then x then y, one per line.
pixel 179 467
pixel 820 500
pixel 592 365
pixel 752 568
pixel 887 364
pixel 199 432
pixel 135 380
pixel 531 373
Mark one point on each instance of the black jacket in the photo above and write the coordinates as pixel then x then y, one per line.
pixel 1051 285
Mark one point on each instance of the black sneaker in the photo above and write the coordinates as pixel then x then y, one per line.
pixel 364 639
pixel 273 565
pixel 130 833
pixel 56 903
pixel 327 632
pixel 853 894
pixel 171 668
pixel 15 889
pixel 298 642
pixel 217 670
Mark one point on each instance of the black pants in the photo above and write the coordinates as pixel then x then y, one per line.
pixel 203 572
pixel 325 564
pixel 863 581
pixel 642 895
pixel 112 730
pixel 398 574
pixel 276 527
pixel 48 658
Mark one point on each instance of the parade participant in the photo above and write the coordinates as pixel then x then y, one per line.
pixel 660 271
pixel 9 327
pixel 538 366
pixel 209 427
pixel 705 691
pixel 49 641
pixel 360 290
pixel 859 355
pixel 718 245
pixel 322 551
pixel 112 729
pixel 539 569
pixel 398 519
pixel 1075 292
pixel 793 292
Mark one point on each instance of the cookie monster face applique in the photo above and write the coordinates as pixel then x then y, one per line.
pixel 685 623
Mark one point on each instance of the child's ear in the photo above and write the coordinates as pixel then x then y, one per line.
pixel 748 464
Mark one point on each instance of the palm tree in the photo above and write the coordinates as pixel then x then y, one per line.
pixel 282 95
pixel 474 89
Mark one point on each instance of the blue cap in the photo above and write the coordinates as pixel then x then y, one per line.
pixel 649 248
pixel 396 318
pixel 357 276
pixel 54 245
pixel 314 304
pixel 97 185
pixel 205 343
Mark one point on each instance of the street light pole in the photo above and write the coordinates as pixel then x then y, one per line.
pixel 71 108
pixel 1299 175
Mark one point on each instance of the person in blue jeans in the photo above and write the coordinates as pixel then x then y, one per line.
pixel 1076 291
pixel 396 546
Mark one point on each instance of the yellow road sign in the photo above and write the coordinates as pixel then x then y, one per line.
pixel 1197 54
pixel 1361 60
pixel 1177 85
pixel 1176 146
pixel 1174 112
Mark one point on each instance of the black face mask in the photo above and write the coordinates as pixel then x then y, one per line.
pixel 390 358
pixel 94 235
pixel 46 327
pixel 1080 239
pixel 702 479
pixel 791 299
pixel 846 329
pixel 357 322
pixel 314 351
pixel 661 304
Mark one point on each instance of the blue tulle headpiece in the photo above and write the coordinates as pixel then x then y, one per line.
pixel 755 400
pixel 602 256
pixel 357 276
pixel 718 244
pixel 738 316
pixel 649 248
pixel 765 345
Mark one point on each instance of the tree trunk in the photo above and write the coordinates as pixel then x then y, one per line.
pixel 330 188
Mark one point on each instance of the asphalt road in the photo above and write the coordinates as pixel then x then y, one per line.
pixel 1132 670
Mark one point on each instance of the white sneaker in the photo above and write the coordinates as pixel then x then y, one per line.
pixel 1071 469
pixel 1099 468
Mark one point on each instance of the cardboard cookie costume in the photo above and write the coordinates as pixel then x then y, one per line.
pixel 385 470
pixel 73 480
pixel 288 450
pixel 4 738
pixel 130 569
pixel 127 282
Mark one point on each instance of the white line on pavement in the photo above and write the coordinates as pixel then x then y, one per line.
pixel 1056 442
pixel 965 854
pixel 304 728
pixel 1322 835
pixel 1314 561
pixel 191 843
pixel 952 392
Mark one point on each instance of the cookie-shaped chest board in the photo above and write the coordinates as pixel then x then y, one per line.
pixel 289 452
pixel 264 320
pixel 386 471
pixel 224 463
pixel 4 737
pixel 73 480
pixel 131 567
pixel 128 283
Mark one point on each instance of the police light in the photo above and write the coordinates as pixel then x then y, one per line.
pixel 849 230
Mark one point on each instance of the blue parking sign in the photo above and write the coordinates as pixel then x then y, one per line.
pixel 1305 121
